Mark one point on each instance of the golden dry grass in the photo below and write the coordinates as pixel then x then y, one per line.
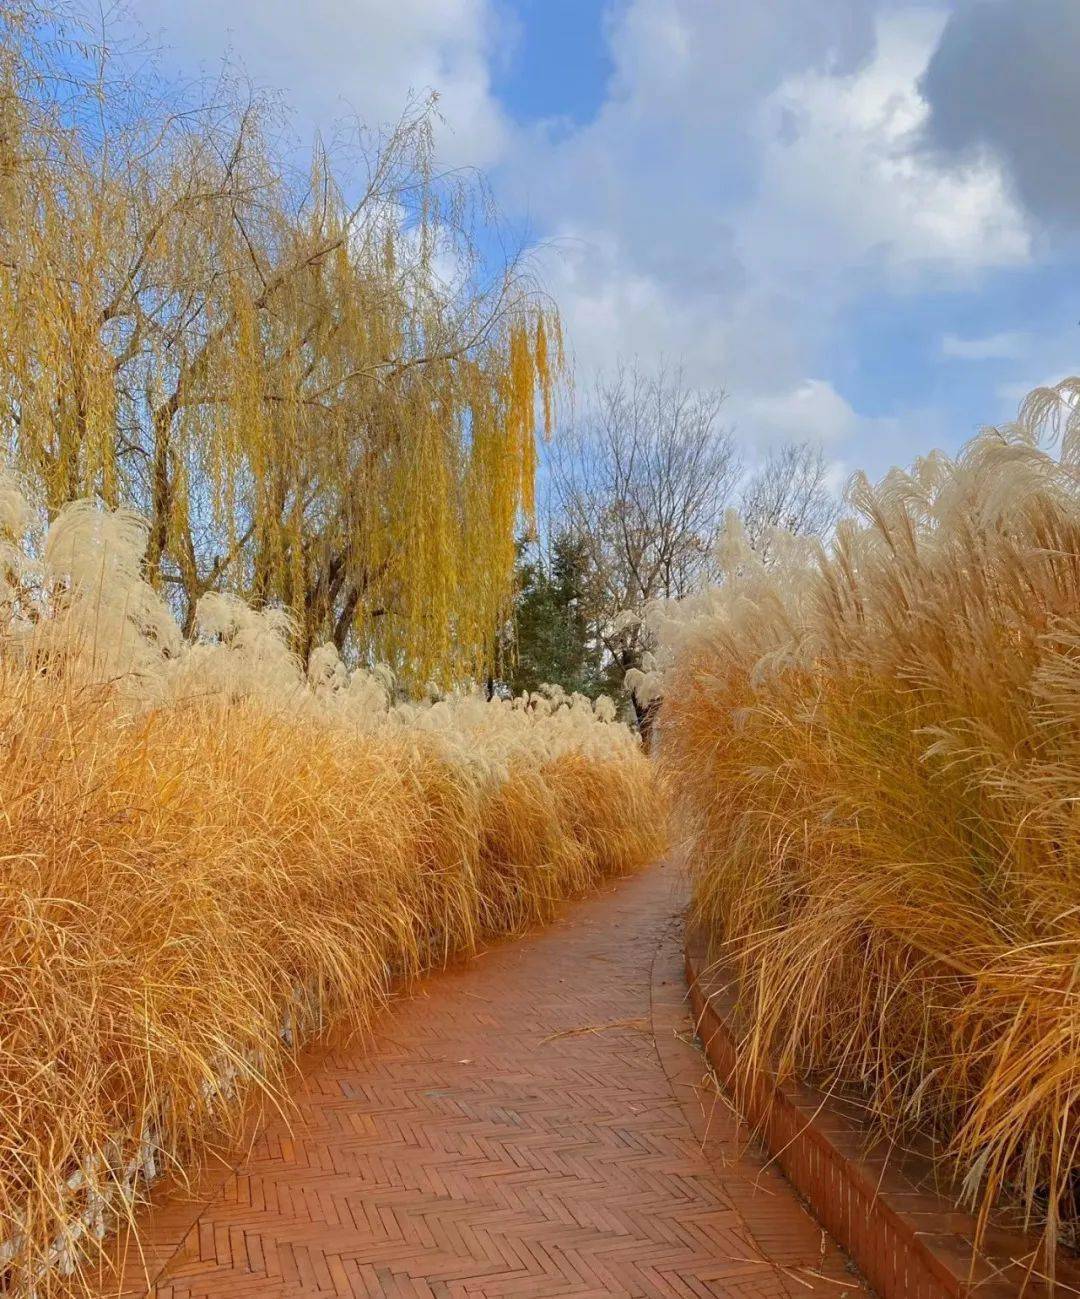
pixel 205 847
pixel 876 755
pixel 179 884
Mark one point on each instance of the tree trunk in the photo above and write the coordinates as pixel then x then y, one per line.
pixel 160 495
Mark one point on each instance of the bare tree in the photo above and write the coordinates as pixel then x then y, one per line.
pixel 789 491
pixel 643 480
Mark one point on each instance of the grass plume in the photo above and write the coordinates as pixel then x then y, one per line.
pixel 876 750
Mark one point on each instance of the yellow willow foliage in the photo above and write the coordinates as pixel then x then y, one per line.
pixel 876 750
pixel 286 380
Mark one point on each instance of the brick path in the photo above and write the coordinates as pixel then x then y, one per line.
pixel 484 1145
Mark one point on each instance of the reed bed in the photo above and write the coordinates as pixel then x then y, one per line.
pixel 211 855
pixel 875 750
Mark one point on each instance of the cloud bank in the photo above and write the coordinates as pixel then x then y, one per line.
pixel 754 176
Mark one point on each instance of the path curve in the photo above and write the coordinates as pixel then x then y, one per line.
pixel 535 1123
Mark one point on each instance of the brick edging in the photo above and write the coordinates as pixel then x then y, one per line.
pixel 884 1206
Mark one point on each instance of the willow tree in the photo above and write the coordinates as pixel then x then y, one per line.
pixel 308 383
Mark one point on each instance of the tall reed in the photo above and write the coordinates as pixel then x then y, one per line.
pixel 876 753
pixel 210 854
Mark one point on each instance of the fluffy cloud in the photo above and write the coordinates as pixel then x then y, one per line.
pixel 753 170
pixel 1004 82
pixel 812 412
pixel 845 185
pixel 694 61
pixel 331 58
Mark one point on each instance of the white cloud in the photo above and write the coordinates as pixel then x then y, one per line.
pixel 845 185
pixel 753 171
pixel 694 61
pixel 331 58
pixel 615 306
pixel 812 411
pixel 1006 346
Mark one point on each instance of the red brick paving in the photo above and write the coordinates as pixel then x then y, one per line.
pixel 480 1146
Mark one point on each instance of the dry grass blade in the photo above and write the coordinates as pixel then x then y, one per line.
pixel 637 1025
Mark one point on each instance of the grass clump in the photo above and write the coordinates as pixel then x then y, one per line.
pixel 875 748
pixel 211 854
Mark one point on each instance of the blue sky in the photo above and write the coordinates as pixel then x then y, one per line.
pixel 858 217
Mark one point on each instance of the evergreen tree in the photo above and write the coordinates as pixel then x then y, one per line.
pixel 552 641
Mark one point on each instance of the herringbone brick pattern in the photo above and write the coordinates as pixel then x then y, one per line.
pixel 537 1123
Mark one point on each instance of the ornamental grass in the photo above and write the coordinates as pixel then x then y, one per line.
pixel 211 855
pixel 875 748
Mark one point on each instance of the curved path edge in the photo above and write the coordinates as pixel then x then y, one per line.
pixel 886 1206
pixel 536 1122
